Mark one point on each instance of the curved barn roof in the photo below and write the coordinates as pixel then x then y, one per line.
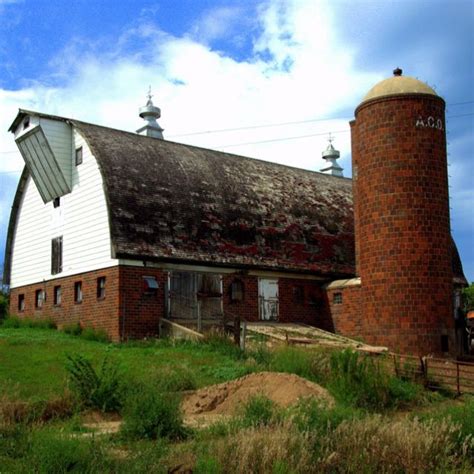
pixel 179 202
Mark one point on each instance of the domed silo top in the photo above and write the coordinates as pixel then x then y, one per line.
pixel 398 85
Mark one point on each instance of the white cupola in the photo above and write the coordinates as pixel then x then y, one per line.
pixel 330 154
pixel 150 113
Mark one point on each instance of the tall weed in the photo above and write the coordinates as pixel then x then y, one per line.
pixel 95 389
pixel 261 449
pixel 259 411
pixel 14 322
pixel 51 452
pixel 363 382
pixel 151 414
pixel 374 445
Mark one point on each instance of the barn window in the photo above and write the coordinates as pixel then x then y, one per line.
pixel 444 343
pixel 56 255
pixel 298 294
pixel 57 295
pixel 26 123
pixel 57 202
pixel 21 302
pixel 337 298
pixel 78 292
pixel 150 285
pixel 237 290
pixel 79 156
pixel 101 287
pixel 40 296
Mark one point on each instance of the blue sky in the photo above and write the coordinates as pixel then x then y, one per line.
pixel 217 65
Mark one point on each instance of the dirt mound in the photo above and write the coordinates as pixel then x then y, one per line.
pixel 226 398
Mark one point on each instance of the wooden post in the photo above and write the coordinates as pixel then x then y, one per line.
pixel 199 317
pixel 457 379
pixel 237 330
pixel 243 335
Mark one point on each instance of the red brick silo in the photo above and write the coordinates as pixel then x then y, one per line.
pixel 402 226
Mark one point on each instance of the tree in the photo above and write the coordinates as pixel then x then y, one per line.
pixel 468 298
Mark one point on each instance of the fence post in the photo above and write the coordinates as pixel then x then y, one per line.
pixel 457 379
pixel 237 330
pixel 395 366
pixel 199 318
pixel 243 335
pixel 424 369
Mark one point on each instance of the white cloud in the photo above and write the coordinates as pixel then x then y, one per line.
pixel 217 23
pixel 298 71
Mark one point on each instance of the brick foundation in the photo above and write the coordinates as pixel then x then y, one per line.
pixel 91 312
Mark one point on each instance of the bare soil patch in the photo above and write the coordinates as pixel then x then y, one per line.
pixel 227 398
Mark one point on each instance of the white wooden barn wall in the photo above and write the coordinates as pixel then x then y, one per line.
pixel 81 219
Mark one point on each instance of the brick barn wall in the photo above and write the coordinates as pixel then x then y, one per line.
pixel 91 312
pixel 347 316
pixel 140 311
pixel 247 308
pixel 310 310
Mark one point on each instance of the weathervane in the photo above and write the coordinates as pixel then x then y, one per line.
pixel 149 95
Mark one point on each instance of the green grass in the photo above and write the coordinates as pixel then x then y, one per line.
pixel 33 361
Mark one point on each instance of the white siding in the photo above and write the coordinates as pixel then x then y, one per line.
pixel 59 136
pixel 82 220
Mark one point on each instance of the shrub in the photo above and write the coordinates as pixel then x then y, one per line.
pixel 101 390
pixel 3 306
pixel 74 329
pixel 92 334
pixel 259 411
pixel 176 380
pixel 151 414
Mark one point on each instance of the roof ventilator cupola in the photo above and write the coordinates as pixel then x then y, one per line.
pixel 330 154
pixel 150 113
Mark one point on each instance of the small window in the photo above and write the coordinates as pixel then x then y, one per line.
pixel 26 123
pixel 237 290
pixel 101 287
pixel 78 292
pixel 79 156
pixel 57 295
pixel 57 202
pixel 56 255
pixel 150 285
pixel 298 294
pixel 444 343
pixel 337 298
pixel 21 302
pixel 40 296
